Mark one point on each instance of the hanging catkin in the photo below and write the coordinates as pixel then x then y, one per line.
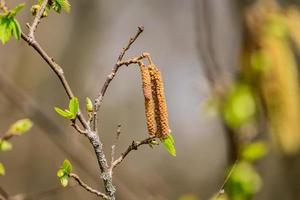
pixel 149 103
pixel 155 101
pixel 161 111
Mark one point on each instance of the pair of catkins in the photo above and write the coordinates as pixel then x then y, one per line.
pixel 155 101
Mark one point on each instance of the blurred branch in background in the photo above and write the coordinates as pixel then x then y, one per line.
pixel 213 72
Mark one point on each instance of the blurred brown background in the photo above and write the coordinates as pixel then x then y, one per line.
pixel 86 43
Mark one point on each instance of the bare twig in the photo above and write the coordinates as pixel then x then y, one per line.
pixel 221 190
pixel 134 60
pixel 134 146
pixel 88 188
pixel 37 20
pixel 78 129
pixel 3 194
pixel 7 136
pixel 113 147
pixel 115 69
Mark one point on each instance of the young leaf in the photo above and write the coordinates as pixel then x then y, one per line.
pixel 67 167
pixel 9 26
pixel 60 173
pixel 2 169
pixel 21 126
pixel 88 105
pixel 17 9
pixel 56 6
pixel 64 172
pixel 168 143
pixel 5 29
pixel 16 29
pixel 64 4
pixel 5 146
pixel 74 107
pixel 64 181
pixel 66 114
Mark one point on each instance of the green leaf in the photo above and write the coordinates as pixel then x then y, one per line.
pixel 9 26
pixel 56 6
pixel 64 181
pixel 64 172
pixel 5 29
pixel 20 127
pixel 66 114
pixel 60 173
pixel 2 169
pixel 17 9
pixel 88 105
pixel 67 167
pixel 16 29
pixel 64 4
pixel 74 107
pixel 5 146
pixel 254 151
pixel 168 143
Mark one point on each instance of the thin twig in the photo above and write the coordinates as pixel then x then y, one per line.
pixel 78 129
pixel 113 147
pixel 88 188
pixel 134 146
pixel 221 190
pixel 7 136
pixel 3 194
pixel 115 69
pixel 91 135
pixel 37 20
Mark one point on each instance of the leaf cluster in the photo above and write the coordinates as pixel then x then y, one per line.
pixel 70 113
pixel 9 25
pixel 16 129
pixel 64 172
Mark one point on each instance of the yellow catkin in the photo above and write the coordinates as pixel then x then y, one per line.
pixel 161 112
pixel 149 103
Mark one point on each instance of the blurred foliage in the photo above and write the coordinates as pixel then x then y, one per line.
pixel 5 146
pixel 270 64
pixel 2 169
pixel 243 182
pixel 20 127
pixel 267 88
pixel 239 106
pixel 254 151
pixel 16 129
